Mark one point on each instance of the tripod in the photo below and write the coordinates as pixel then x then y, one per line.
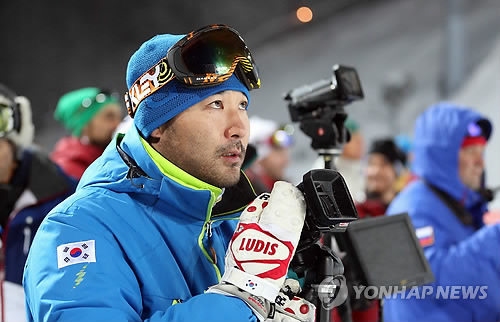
pixel 316 261
pixel 319 108
pixel 344 310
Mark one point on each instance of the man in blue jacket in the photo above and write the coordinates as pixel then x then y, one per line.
pixel 447 212
pixel 30 186
pixel 149 235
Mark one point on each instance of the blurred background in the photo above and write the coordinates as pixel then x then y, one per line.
pixel 408 53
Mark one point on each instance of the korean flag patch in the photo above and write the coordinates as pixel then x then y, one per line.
pixel 74 253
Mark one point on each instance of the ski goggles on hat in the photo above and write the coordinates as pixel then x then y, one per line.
pixel 205 57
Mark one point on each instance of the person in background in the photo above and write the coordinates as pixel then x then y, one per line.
pixel 30 186
pixel 385 163
pixel 460 239
pixel 350 162
pixel 160 227
pixel 272 144
pixel 405 144
pixel 91 115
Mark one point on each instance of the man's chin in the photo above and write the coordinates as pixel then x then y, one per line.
pixel 233 178
pixel 226 178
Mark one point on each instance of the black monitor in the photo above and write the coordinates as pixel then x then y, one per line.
pixel 386 252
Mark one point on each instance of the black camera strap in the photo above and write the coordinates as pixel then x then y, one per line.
pixel 454 205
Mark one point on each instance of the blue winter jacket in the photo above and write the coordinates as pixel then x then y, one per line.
pixel 43 186
pixel 463 256
pixel 146 240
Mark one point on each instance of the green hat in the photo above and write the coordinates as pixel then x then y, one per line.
pixel 75 109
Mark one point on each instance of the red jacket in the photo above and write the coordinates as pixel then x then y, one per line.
pixel 73 156
pixel 371 208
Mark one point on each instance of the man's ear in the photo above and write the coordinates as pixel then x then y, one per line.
pixel 155 136
pixel 156 133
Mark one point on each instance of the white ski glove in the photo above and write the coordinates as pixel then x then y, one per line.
pixel 290 308
pixel 262 247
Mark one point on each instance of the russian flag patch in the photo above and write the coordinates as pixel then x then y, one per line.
pixel 425 236
pixel 74 253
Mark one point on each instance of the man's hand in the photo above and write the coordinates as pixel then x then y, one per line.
pixel 262 247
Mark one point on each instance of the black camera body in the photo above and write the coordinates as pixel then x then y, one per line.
pixel 330 207
pixel 319 107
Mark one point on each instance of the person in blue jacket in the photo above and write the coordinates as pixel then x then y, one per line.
pixel 30 183
pixel 447 212
pixel 30 186
pixel 147 235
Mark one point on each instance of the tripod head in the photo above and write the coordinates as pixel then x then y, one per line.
pixel 319 107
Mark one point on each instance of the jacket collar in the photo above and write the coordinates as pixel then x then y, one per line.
pixel 154 174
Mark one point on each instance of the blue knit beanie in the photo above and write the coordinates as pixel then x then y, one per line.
pixel 174 97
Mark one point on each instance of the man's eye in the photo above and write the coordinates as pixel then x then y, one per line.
pixel 244 105
pixel 215 104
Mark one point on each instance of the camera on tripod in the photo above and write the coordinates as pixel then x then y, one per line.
pixel 319 107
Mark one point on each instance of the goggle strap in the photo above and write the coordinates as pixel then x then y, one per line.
pixel 151 81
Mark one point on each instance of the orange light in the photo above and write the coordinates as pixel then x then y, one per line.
pixel 304 14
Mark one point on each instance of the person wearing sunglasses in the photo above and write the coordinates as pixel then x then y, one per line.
pixel 91 115
pixel 160 227
pixel 30 185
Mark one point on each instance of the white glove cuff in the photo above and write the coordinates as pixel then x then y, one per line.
pixel 251 284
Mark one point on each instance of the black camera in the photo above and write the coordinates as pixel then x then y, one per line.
pixel 329 205
pixel 319 107
pixel 329 209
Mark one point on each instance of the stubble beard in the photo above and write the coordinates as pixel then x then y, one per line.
pixel 226 178
pixel 211 170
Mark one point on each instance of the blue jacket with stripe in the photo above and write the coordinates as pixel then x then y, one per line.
pixel 153 256
pixel 464 257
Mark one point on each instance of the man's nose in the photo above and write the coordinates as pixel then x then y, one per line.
pixel 237 127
